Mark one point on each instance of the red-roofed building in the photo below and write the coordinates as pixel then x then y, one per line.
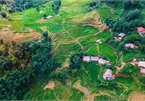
pixel 141 30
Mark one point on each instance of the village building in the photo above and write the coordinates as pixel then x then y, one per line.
pixel 108 75
pixel 129 45
pixel 120 36
pixel 102 61
pixel 141 30
pixel 99 41
pixel 141 64
pixel 86 58
pixel 94 58
pixel 50 16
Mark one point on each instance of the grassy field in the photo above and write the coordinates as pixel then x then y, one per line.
pixel 128 82
pixel 129 56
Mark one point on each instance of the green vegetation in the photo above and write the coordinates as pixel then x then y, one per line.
pixel 130 69
pixel 128 56
pixel 50 66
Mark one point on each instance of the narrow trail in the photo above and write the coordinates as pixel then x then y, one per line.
pixel 119 68
pixel 78 86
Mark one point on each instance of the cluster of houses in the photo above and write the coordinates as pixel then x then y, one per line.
pixel 108 74
pixel 96 59
pixel 140 30
pixel 127 45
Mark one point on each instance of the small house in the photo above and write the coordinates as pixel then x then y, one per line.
pixel 141 30
pixel 129 45
pixel 102 61
pixel 99 41
pixel 94 58
pixel 108 75
pixel 86 58
pixel 121 35
pixel 141 64
pixel 50 16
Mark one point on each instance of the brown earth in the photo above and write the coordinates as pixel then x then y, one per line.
pixel 41 20
pixel 137 97
pixel 24 37
pixel 6 35
pixel 50 85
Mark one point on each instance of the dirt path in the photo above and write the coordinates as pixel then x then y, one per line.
pixel 105 27
pixel 119 68
pixel 50 85
pixel 98 24
pixel 87 92
pixel 78 86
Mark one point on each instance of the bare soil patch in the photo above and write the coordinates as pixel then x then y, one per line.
pixel 41 20
pixel 24 37
pixel 137 97
pixel 66 63
pixel 50 85
pixel 78 86
pixel 6 35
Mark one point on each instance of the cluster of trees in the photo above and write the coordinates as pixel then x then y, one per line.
pixel 131 4
pixel 74 64
pixel 76 60
pixel 61 74
pixel 19 63
pixel 43 63
pixel 14 63
pixel 109 84
pixel 142 79
pixel 126 23
pixel 13 56
pixel 20 5
pixel 13 86
pixel 56 5
pixel 130 69
pixel 3 14
pixel 93 5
